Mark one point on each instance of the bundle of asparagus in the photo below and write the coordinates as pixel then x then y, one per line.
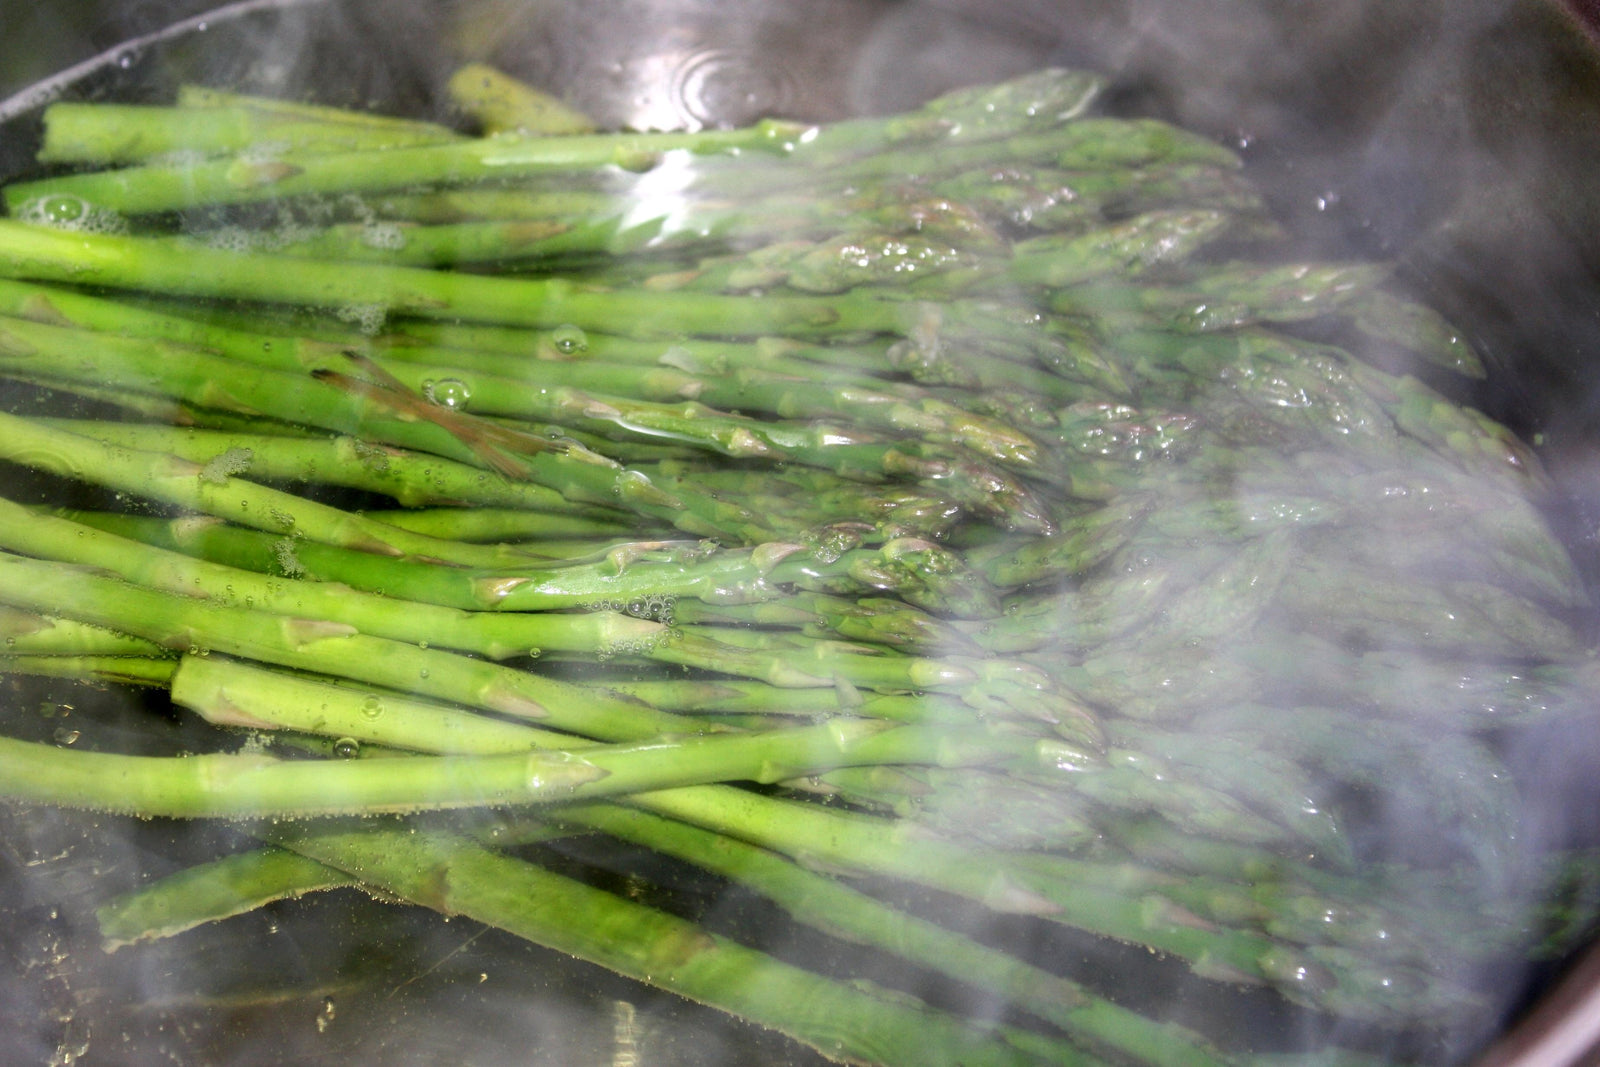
pixel 973 498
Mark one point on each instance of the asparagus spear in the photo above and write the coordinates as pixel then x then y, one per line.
pixel 40 254
pixel 996 687
pixel 29 634
pixel 214 489
pixel 832 906
pixel 105 670
pixel 213 785
pixel 153 188
pixel 917 570
pixel 503 524
pixel 501 103
pixel 330 648
pixel 345 462
pixel 1179 423
pixel 219 889
pixel 105 134
pixel 853 1021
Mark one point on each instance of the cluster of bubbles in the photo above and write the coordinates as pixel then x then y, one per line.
pixel 639 646
pixel 656 607
pixel 318 212
pixel 447 392
pixel 371 456
pixel 64 211
pixel 255 743
pixel 387 236
pixel 220 468
pixel 368 318
pixel 288 562
pixel 232 239
pixel 241 240
pixel 285 230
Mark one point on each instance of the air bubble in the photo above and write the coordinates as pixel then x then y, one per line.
pixel 447 392
pixel 64 211
pixel 569 340
pixel 372 708
pixel 60 208
pixel 347 748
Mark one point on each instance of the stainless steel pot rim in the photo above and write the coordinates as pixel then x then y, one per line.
pixel 43 92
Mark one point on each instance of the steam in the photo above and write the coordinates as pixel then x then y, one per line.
pixel 1377 159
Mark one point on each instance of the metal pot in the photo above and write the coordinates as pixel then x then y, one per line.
pixel 1457 139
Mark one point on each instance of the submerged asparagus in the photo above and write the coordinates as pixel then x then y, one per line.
pixel 1047 564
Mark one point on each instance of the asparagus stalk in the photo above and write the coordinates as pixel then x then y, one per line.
pixel 501 103
pixel 107 134
pixel 237 694
pixel 154 188
pixel 146 264
pixel 347 462
pixel 209 892
pixel 646 572
pixel 848 1022
pixel 214 489
pixel 28 634
pixel 1389 319
pixel 815 835
pixel 996 687
pixel 829 905
pixel 503 524
pixel 328 648
pixel 496 635
pixel 1153 405
pixel 257 785
pixel 106 670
